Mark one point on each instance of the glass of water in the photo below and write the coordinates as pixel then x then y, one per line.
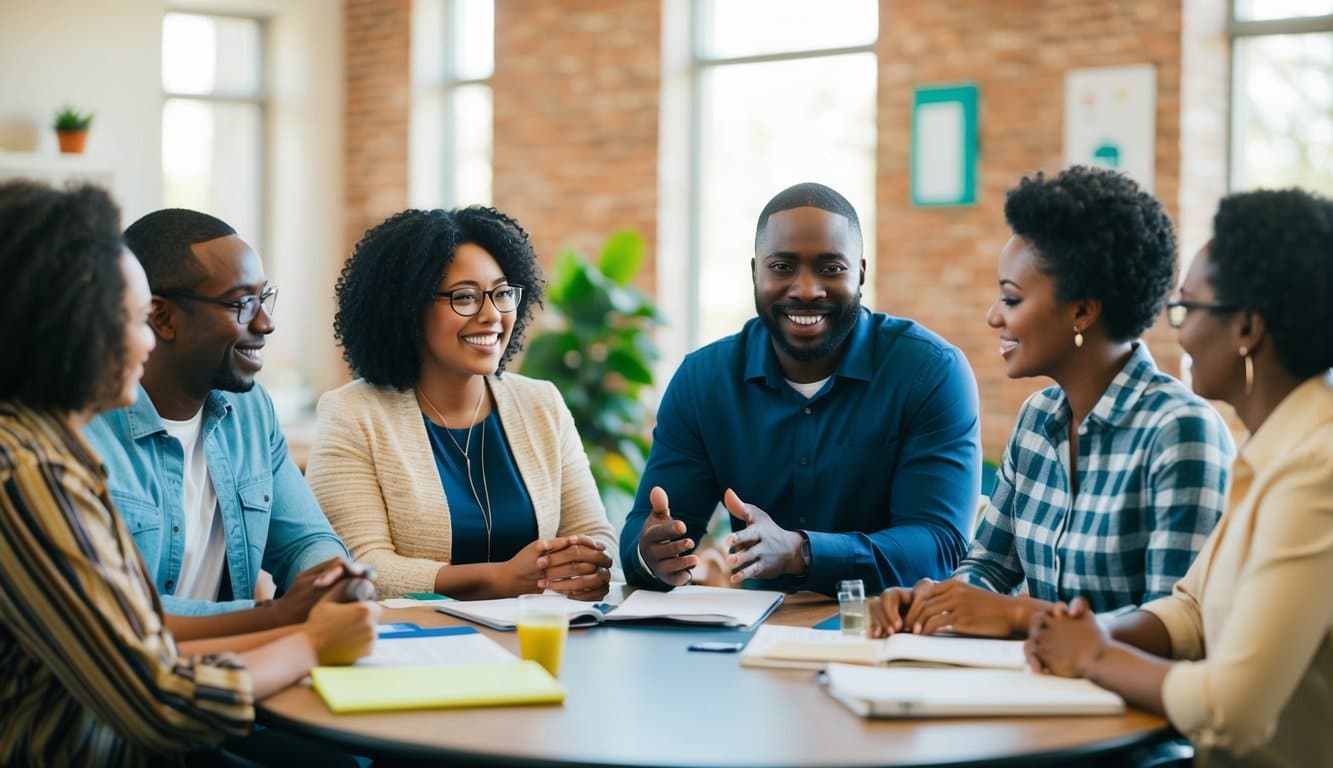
pixel 852 607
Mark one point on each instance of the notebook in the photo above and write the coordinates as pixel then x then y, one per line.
pixel 691 604
pixel 896 692
pixel 806 648
pixel 349 690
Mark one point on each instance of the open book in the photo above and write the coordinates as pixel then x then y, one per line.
pixel 938 692
pixel 690 604
pixel 805 648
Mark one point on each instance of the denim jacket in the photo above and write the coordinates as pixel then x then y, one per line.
pixel 269 517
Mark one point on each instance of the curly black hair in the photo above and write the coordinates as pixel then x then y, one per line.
pixel 59 253
pixel 390 280
pixel 1272 252
pixel 1098 236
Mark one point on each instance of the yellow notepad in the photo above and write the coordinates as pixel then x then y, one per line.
pixel 374 689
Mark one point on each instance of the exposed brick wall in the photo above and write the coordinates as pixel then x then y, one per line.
pixel 377 35
pixel 576 111
pixel 576 95
pixel 937 265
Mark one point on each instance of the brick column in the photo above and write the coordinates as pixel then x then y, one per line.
pixel 576 112
pixel 937 265
pixel 377 37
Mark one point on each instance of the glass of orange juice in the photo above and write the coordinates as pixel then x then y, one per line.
pixel 543 625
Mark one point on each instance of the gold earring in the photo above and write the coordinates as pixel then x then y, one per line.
pixel 1249 369
pixel 1078 337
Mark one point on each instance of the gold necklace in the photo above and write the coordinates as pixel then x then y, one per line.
pixel 467 460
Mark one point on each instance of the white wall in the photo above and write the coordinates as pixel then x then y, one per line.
pixel 106 57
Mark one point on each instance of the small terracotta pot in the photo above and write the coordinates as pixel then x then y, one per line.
pixel 72 142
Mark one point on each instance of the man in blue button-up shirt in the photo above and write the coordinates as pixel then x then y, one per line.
pixel 198 465
pixel 844 443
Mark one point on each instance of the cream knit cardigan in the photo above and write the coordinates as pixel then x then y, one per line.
pixel 372 469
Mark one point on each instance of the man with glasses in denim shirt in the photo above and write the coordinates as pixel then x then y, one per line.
pixel 198 465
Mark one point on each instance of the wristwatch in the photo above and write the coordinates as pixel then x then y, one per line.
pixel 805 549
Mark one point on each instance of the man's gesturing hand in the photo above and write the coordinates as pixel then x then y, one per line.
pixel 662 543
pixel 764 550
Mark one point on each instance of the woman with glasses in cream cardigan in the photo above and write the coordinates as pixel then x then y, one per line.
pixel 435 466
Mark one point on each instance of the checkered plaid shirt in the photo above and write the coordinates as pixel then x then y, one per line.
pixel 1152 471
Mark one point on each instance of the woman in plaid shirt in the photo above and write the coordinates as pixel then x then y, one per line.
pixel 1114 477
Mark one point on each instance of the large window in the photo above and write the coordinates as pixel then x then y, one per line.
pixel 213 118
pixel 784 92
pixel 1282 94
pixel 453 60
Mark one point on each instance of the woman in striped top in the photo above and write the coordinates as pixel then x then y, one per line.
pixel 88 673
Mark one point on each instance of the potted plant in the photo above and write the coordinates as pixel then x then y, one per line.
pixel 72 129
pixel 596 346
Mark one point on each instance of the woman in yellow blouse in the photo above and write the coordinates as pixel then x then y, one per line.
pixel 437 467
pixel 1240 657
pixel 91 675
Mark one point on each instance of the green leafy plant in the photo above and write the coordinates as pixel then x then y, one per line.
pixel 595 345
pixel 70 119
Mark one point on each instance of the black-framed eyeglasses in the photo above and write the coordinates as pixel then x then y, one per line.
pixel 467 302
pixel 1177 310
pixel 247 307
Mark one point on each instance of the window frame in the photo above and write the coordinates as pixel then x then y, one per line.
pixel 449 85
pixel 1237 30
pixel 700 64
pixel 260 98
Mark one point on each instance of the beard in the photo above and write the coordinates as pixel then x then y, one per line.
pixel 228 379
pixel 841 319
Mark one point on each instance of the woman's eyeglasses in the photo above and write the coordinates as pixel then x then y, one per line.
pixel 467 302
pixel 1177 310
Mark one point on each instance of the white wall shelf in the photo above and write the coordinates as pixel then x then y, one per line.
pixel 55 168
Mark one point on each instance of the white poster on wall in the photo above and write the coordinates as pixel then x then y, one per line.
pixel 1109 119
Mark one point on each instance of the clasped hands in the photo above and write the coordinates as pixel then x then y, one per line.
pixel 577 567
pixel 763 550
pixel 946 606
pixel 338 609
pixel 1061 639
pixel 1065 640
pixel 345 581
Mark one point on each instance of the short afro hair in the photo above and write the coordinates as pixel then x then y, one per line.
pixel 1098 236
pixel 64 349
pixel 1272 252
pixel 390 280
pixel 161 240
pixel 807 195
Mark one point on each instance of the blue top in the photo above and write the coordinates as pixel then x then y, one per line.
pixel 880 468
pixel 269 517
pixel 513 520
pixel 1152 474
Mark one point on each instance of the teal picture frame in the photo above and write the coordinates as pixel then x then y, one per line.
pixel 944 145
